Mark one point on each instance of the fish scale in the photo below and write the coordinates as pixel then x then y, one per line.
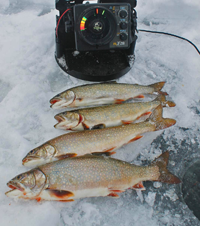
pixel 95 141
pixel 87 176
pixel 89 172
pixel 97 138
pixel 116 89
pixel 102 93
pixel 108 116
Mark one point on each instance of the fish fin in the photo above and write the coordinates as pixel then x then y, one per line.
pixel 110 149
pixel 135 138
pixel 165 102
pixel 139 186
pixel 119 101
pixel 114 195
pixel 68 155
pixel 38 199
pixel 69 200
pixel 127 122
pixel 86 127
pixel 60 194
pixel 157 87
pixel 170 104
pixel 139 96
pixel 144 114
pixel 116 191
pixel 99 126
pixel 165 176
pixel 104 153
pixel 159 121
pixel 79 99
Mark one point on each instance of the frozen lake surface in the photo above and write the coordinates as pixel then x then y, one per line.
pixel 30 76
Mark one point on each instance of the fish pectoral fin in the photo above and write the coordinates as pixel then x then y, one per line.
pixel 135 138
pixel 68 155
pixel 126 122
pixel 139 186
pixel 60 195
pixel 99 126
pixel 85 126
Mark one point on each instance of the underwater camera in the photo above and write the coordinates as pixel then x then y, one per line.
pixel 96 41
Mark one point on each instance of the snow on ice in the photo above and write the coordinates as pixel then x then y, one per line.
pixel 30 76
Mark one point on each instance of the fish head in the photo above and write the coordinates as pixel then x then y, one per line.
pixel 27 185
pixel 40 155
pixel 63 99
pixel 68 120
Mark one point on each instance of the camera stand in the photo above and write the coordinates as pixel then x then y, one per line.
pixel 97 65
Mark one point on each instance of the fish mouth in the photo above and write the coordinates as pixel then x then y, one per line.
pixel 26 161
pixel 58 103
pixel 16 190
pixel 15 186
pixel 64 123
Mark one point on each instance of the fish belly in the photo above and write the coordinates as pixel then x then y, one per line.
pixel 94 192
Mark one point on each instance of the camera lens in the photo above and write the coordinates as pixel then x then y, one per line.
pixel 98 26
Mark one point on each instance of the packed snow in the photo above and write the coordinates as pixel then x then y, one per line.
pixel 30 76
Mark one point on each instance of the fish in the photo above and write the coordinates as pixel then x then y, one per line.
pixel 87 176
pixel 100 141
pixel 103 93
pixel 109 115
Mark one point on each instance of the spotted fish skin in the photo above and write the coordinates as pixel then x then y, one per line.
pixel 108 116
pixel 90 141
pixel 93 141
pixel 87 172
pixel 102 93
pixel 87 176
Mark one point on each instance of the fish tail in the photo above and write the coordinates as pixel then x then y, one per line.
pixel 157 87
pixel 165 175
pixel 159 121
pixel 165 102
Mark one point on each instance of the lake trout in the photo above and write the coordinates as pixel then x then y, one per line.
pixel 108 116
pixel 103 93
pixel 87 176
pixel 105 140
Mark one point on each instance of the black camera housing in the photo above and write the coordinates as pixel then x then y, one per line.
pixel 96 42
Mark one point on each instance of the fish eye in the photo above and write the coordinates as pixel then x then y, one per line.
pixel 32 151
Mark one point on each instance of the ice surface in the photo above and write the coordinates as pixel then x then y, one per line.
pixel 30 76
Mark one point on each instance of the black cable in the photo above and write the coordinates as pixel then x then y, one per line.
pixel 165 33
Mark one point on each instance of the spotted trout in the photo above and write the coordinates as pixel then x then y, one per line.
pixel 87 176
pixel 105 140
pixel 103 93
pixel 108 116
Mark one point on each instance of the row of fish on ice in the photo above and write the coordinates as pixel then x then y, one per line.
pixel 72 165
